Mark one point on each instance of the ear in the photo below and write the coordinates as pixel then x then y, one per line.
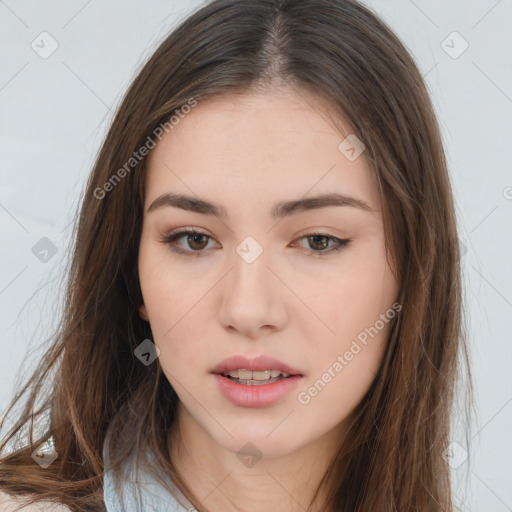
pixel 143 313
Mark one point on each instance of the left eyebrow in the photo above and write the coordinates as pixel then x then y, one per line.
pixel 286 208
pixel 279 210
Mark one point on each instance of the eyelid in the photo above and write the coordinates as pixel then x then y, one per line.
pixel 171 238
pixel 339 243
pixel 185 230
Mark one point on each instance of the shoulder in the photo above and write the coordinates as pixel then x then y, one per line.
pixel 10 504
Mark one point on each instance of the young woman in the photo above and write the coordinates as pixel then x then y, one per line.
pixel 264 304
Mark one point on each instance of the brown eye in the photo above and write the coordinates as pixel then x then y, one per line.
pixel 194 241
pixel 318 242
pixel 188 242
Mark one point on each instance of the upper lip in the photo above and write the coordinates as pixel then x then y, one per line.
pixel 255 364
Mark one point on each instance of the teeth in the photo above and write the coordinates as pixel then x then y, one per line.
pixel 245 374
pixel 257 375
pixel 264 375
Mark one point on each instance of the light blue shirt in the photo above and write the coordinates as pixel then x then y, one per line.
pixel 144 494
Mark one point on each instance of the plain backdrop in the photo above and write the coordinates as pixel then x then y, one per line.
pixel 56 107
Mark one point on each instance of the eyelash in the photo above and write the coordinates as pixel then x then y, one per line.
pixel 171 239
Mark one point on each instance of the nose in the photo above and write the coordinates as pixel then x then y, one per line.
pixel 253 298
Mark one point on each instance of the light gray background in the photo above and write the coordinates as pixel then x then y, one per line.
pixel 55 111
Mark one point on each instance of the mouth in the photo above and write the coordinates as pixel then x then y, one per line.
pixel 257 371
pixel 255 378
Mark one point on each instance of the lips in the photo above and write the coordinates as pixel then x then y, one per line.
pixel 259 363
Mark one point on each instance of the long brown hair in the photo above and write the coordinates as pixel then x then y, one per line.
pixel 391 459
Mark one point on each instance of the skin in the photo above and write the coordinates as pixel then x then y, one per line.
pixel 247 153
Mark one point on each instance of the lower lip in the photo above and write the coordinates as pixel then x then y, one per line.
pixel 255 396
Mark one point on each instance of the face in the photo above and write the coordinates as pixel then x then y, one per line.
pixel 307 284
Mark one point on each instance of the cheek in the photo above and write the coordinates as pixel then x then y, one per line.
pixel 357 307
pixel 177 323
pixel 348 298
pixel 173 303
pixel 169 294
pixel 344 369
pixel 334 395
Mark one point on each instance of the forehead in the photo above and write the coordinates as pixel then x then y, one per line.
pixel 275 144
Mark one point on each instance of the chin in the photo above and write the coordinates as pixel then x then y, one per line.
pixel 270 446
